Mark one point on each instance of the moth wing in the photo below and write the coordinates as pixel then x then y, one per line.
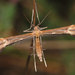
pixel 13 39
pixel 56 31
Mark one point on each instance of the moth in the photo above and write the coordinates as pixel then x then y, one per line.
pixel 36 34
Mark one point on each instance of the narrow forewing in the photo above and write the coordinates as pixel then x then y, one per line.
pixel 14 39
pixel 61 30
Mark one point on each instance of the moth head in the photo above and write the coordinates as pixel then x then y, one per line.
pixel 36 27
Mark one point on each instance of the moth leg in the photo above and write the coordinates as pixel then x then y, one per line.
pixel 35 63
pixel 43 53
pixel 31 23
pixel 37 13
pixel 27 63
pixel 27 30
pixel 34 54
pixel 44 59
pixel 43 28
pixel 44 49
pixel 32 18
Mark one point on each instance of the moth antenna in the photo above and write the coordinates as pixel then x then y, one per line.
pixel 44 18
pixel 27 18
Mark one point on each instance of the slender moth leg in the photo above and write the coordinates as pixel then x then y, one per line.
pixel 43 28
pixel 34 54
pixel 44 59
pixel 43 53
pixel 37 13
pixel 32 17
pixel 31 23
pixel 27 63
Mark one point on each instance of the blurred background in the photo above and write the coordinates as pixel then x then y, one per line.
pixel 60 49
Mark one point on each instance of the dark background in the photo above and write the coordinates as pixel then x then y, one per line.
pixel 60 50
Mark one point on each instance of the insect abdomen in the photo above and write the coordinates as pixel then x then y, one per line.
pixel 38 48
